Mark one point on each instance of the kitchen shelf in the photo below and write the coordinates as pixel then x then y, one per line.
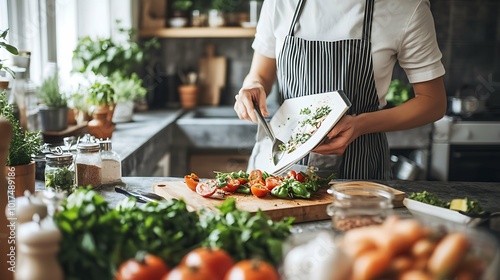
pixel 199 32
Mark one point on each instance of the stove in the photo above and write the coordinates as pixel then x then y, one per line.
pixel 466 148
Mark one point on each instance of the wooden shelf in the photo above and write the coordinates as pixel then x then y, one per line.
pixel 199 32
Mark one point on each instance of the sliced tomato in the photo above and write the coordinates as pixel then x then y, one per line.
pixel 255 174
pixel 300 177
pixel 191 181
pixel 242 181
pixel 291 174
pixel 259 190
pixel 206 188
pixel 231 185
pixel 272 182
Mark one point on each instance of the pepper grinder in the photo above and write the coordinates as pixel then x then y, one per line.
pixel 38 245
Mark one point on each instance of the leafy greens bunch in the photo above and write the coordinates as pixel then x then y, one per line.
pixel 97 239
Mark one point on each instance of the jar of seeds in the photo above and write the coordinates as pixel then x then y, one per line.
pixel 60 172
pixel 88 165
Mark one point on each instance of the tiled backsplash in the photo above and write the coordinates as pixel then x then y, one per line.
pixel 468 33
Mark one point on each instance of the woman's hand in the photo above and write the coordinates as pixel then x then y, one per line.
pixel 337 140
pixel 244 101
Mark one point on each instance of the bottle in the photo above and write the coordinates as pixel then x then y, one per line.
pixel 111 164
pixel 358 206
pixel 88 164
pixel 60 172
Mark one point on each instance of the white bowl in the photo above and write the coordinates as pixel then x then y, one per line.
pixel 177 22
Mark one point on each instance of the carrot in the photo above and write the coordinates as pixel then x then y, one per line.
pixel 370 265
pixel 448 254
pixel 401 264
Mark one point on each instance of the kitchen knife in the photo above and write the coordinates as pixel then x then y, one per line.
pixel 139 196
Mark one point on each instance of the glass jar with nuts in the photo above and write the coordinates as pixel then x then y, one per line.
pixel 357 206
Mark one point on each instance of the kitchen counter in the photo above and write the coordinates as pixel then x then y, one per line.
pixel 488 194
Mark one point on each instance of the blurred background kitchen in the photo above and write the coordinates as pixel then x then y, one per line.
pixel 208 43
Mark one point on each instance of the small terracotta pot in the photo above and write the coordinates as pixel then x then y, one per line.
pixel 188 95
pixel 21 178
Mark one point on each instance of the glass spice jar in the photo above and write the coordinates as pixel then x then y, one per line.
pixel 88 165
pixel 111 164
pixel 358 206
pixel 60 172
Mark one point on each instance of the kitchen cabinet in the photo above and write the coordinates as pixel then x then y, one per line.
pixel 199 32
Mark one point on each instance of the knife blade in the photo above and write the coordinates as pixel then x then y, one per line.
pixel 143 197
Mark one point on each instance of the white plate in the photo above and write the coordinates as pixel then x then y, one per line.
pixel 443 213
pixel 287 118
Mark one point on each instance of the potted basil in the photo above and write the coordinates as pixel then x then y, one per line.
pixel 127 90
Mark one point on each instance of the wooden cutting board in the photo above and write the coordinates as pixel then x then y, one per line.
pixel 212 77
pixel 304 210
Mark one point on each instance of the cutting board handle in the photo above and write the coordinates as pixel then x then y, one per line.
pixel 210 50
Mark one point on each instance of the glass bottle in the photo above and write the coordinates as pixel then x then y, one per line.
pixel 88 165
pixel 111 164
pixel 358 206
pixel 60 172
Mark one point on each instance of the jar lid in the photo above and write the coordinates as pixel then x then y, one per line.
pixel 105 145
pixel 88 147
pixel 59 158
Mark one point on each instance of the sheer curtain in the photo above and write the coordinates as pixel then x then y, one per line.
pixel 50 29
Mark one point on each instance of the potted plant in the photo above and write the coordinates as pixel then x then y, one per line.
pixel 9 48
pixel 220 10
pixel 53 110
pixel 127 90
pixel 101 96
pixel 20 167
pixel 180 9
pixel 104 56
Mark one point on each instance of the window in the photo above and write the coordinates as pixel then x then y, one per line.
pixel 50 29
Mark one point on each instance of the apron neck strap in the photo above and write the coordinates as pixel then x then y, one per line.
pixel 296 16
pixel 367 22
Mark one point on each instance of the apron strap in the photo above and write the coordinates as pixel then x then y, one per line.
pixel 296 16
pixel 367 22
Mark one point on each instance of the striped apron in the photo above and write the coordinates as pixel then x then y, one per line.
pixel 310 67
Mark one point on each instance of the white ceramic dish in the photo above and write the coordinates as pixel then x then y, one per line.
pixel 417 207
pixel 287 117
pixel 247 24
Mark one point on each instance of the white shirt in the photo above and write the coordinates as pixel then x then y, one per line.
pixel 403 30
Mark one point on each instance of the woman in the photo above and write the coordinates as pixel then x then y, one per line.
pixel 318 46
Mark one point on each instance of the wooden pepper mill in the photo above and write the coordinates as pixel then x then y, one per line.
pixel 7 266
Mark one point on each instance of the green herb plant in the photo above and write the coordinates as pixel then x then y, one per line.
pixel 105 56
pixel 127 88
pixel 399 92
pixel 96 238
pixel 182 5
pixel 61 179
pixel 101 93
pixel 50 93
pixel 24 144
pixel 11 49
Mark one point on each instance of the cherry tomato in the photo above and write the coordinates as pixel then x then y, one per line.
pixel 272 182
pixel 191 181
pixel 231 185
pixel 300 177
pixel 252 270
pixel 184 272
pixel 242 181
pixel 255 174
pixel 206 188
pixel 291 174
pixel 145 266
pixel 215 260
pixel 259 190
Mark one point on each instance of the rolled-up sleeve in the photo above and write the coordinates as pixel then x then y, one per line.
pixel 419 53
pixel 265 39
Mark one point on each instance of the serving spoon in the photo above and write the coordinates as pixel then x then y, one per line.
pixel 277 153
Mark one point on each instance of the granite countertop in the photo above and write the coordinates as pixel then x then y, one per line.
pixel 488 194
